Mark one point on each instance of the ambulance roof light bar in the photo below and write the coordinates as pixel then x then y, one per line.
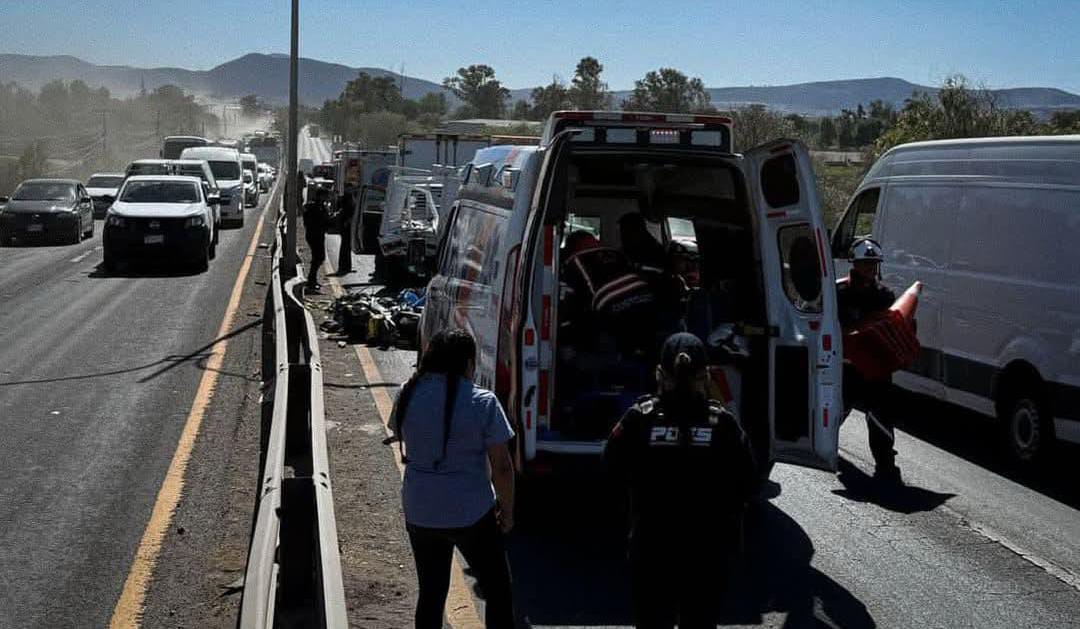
pixel 561 120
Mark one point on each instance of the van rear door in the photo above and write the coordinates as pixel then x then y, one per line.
pixel 534 302
pixel 805 401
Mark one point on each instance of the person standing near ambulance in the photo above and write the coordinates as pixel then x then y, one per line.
pixel 861 295
pixel 690 471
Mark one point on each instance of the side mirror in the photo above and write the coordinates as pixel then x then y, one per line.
pixel 213 199
pixel 510 177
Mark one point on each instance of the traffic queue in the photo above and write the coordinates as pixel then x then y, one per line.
pixel 158 210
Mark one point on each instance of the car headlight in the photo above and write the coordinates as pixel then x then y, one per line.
pixel 196 221
pixel 112 220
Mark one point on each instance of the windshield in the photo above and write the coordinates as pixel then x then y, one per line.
pixel 225 170
pixel 148 168
pixel 160 192
pixel 41 191
pixel 104 182
pixel 173 148
pixel 191 171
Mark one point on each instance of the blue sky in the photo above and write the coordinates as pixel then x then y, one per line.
pixel 1001 44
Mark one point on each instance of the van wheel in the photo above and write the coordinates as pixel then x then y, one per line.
pixel 1026 424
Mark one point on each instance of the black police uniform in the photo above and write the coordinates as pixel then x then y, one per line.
pixel 315 220
pixel 874 398
pixel 345 218
pixel 690 471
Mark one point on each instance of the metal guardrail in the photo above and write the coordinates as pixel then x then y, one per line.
pixel 293 576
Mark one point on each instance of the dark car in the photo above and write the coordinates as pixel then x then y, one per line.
pixel 47 209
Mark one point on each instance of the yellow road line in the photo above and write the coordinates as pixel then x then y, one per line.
pixel 460 606
pixel 129 608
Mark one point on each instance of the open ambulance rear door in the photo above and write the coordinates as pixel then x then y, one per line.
pixel 536 285
pixel 805 359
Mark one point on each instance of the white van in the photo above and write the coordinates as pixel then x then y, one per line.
pixel 766 303
pixel 225 164
pixel 248 161
pixel 991 227
pixel 410 222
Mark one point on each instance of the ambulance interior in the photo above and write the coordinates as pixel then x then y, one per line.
pixel 692 206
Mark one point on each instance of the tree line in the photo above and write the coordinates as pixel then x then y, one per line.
pixel 69 129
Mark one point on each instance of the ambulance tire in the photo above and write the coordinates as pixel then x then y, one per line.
pixel 1026 421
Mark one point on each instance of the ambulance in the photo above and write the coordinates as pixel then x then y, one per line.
pixel 764 300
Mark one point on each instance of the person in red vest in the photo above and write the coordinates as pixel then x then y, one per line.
pixel 861 295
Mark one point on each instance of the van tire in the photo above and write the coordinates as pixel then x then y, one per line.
pixel 1026 424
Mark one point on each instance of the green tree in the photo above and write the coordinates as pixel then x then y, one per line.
pixel 55 102
pixel 1064 122
pixel 587 89
pixel 956 111
pixel 827 132
pixel 548 99
pixel 434 103
pixel 670 91
pixel 521 110
pixel 372 94
pixel 756 125
pixel 483 94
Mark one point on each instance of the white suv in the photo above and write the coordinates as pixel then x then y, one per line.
pixel 162 218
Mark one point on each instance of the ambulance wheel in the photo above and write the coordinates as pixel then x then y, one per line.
pixel 1026 424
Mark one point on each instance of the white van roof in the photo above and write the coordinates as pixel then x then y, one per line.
pixel 211 154
pixel 249 157
pixel 1035 159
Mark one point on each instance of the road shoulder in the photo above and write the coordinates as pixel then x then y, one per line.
pixel 198 577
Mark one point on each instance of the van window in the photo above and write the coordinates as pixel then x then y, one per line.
pixel 858 222
pixel 801 267
pixel 780 181
pixel 917 224
pixel 474 240
pixel 1024 233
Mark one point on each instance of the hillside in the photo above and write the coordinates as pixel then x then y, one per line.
pixel 267 76
pixel 264 75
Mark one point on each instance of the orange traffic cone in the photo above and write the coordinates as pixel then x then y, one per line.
pixel 908 302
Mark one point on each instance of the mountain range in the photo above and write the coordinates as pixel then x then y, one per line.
pixel 266 75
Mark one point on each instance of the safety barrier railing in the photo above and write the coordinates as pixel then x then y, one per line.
pixel 293 576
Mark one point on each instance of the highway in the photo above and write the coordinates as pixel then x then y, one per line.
pixel 98 375
pixel 968 542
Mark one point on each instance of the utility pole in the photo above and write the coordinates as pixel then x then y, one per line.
pixel 292 192
pixel 104 132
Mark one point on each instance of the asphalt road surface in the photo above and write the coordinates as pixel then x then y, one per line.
pixel 98 373
pixel 968 542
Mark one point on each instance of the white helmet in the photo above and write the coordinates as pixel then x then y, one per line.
pixel 865 249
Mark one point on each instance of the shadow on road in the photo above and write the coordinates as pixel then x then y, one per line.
pixel 146 270
pixel 860 487
pixel 568 557
pixel 976 439
pixel 164 365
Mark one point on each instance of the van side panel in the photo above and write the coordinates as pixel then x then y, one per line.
pixel 1014 290
pixel 915 226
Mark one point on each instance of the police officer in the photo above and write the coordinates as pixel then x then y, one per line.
pixel 858 296
pixel 345 218
pixel 690 471
pixel 315 220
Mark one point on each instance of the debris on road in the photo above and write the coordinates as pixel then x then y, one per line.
pixel 379 320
